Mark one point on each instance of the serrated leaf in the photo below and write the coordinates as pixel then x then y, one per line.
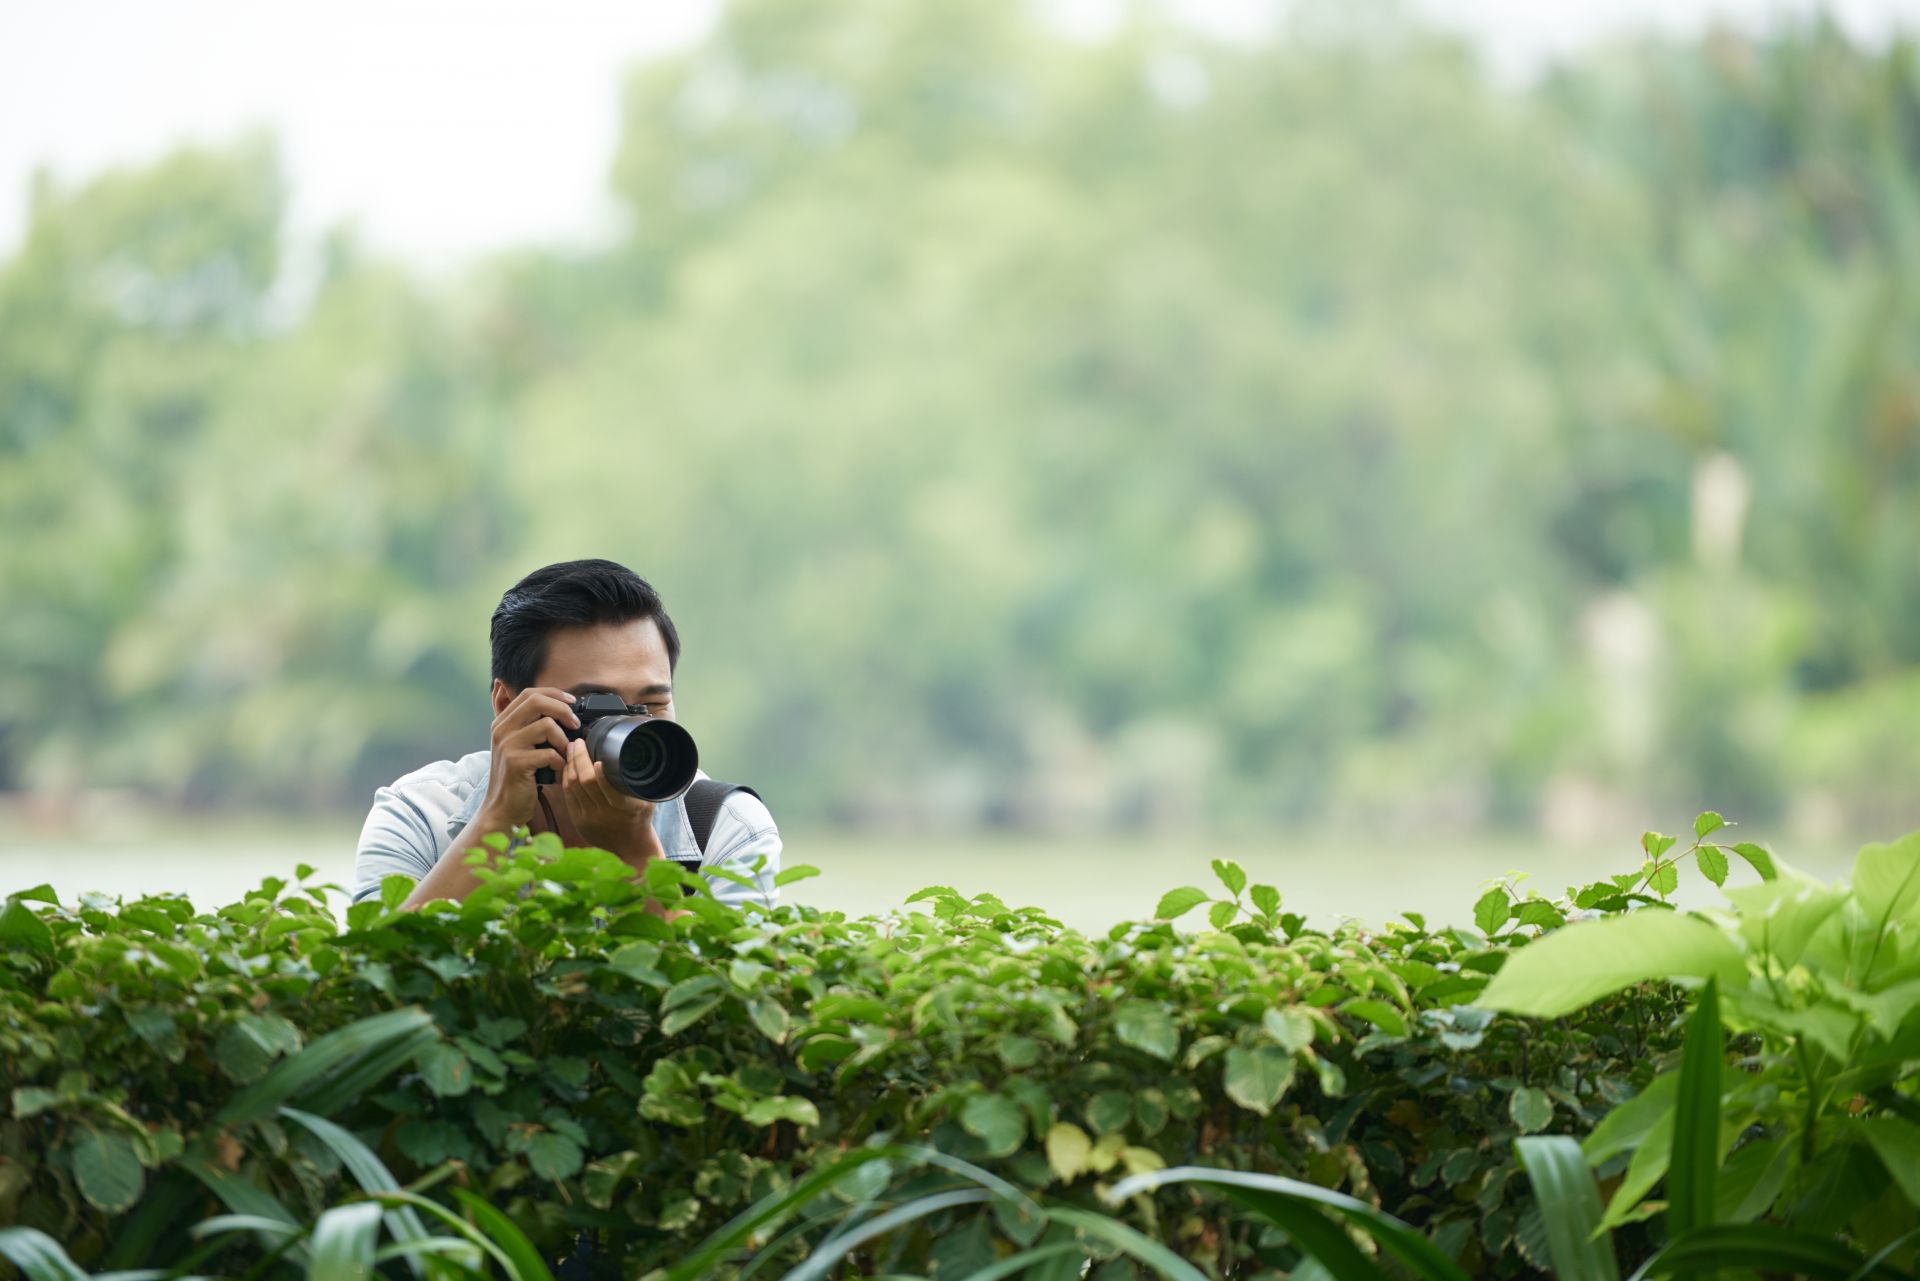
pixel 1266 899
pixel 444 1069
pixel 1231 875
pixel 1221 914
pixel 1666 880
pixel 1492 909
pixel 1655 844
pixel 1712 863
pixel 1177 903
pixel 1758 859
pixel 1707 822
pixel 553 1156
pixel 107 1170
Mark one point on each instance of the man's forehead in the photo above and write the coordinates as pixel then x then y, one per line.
pixel 621 657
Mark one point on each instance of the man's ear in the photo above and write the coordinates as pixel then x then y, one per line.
pixel 501 696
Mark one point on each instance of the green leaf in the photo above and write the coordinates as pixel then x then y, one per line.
pixel 1291 1028
pixel 1377 1012
pixel 554 1156
pixel 1665 880
pixel 1886 879
pixel 798 872
pixel 782 1107
pixel 1569 1203
pixel 1655 844
pixel 1266 899
pixel 1492 910
pixel 1530 1109
pixel 38 1256
pixel 1696 1124
pixel 1230 875
pixel 21 927
pixel 770 1017
pixel 1067 1150
pixel 1897 1143
pixel 444 1069
pixel 108 1170
pixel 687 1015
pixel 343 1243
pixel 1221 914
pixel 1707 822
pixel 1712 862
pixel 1757 858
pixel 1177 903
pixel 1256 1077
pixel 995 1120
pixel 1146 1026
pixel 1110 1111
pixel 1572 967
pixel 1628 1125
pixel 31 1100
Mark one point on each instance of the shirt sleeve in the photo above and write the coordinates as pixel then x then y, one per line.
pixel 746 842
pixel 396 837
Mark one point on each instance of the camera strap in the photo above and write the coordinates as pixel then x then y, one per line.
pixel 704 800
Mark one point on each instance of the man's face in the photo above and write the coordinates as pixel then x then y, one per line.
pixel 627 659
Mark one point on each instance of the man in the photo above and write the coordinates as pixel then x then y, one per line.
pixel 580 627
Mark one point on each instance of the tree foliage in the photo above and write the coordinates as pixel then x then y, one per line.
pixel 1027 427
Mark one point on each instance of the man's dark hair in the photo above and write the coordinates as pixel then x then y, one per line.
pixel 574 593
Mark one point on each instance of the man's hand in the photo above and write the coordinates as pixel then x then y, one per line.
pixel 605 816
pixel 522 733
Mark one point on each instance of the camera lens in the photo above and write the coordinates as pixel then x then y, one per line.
pixel 645 756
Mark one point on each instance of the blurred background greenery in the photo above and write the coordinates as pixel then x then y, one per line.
pixel 1155 433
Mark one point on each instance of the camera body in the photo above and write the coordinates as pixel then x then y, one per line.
pixel 646 757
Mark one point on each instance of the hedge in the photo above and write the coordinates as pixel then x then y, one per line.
pixel 590 1068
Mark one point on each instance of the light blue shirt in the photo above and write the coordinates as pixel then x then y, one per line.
pixel 413 823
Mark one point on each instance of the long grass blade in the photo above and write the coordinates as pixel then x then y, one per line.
pixel 325 1058
pixel 242 1197
pixel 735 1233
pixel 343 1243
pixel 1695 1164
pixel 526 1261
pixel 1294 1206
pixel 1115 1233
pixel 1766 1248
pixel 841 1244
pixel 1015 1263
pixel 38 1256
pixel 1569 1200
pixel 369 1171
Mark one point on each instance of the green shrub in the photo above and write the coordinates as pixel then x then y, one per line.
pixel 588 1065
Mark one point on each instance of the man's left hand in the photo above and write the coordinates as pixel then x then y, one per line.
pixel 603 815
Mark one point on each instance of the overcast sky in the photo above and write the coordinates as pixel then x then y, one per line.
pixel 446 127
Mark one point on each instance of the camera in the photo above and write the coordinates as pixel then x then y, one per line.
pixel 645 756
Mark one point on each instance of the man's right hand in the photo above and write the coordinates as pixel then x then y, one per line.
pixel 521 734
